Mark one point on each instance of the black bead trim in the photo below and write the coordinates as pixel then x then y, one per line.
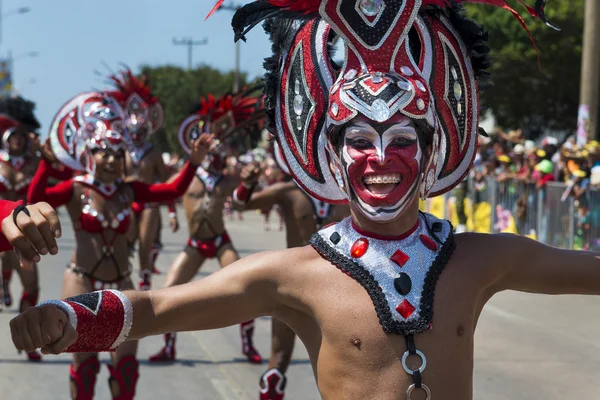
pixel 367 281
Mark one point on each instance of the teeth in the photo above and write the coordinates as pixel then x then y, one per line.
pixel 382 179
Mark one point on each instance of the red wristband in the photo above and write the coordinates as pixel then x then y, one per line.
pixel 242 193
pixel 102 319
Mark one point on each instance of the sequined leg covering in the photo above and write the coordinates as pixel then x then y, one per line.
pixel 167 353
pixel 83 380
pixel 247 333
pixel 123 378
pixel 272 385
pixel 6 276
pixel 30 300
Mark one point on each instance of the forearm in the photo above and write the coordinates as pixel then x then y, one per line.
pixel 195 306
pixel 163 192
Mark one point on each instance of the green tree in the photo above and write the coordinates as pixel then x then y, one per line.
pixel 179 92
pixel 521 94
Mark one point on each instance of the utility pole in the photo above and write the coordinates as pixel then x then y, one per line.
pixel 190 43
pixel 589 103
pixel 236 71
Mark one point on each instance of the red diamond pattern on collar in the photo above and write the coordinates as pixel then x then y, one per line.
pixel 428 242
pixel 405 309
pixel 400 258
pixel 359 248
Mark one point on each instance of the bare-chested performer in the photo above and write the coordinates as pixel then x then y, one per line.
pixel 205 200
pixel 144 163
pixel 303 216
pixel 386 301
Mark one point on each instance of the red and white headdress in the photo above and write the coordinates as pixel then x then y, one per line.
pixel 142 108
pixel 88 121
pixel 419 58
pixel 8 126
pixel 232 118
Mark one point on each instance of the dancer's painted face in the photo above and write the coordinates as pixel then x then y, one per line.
pixel 383 165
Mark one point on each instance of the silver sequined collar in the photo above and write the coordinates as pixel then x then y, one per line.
pixel 209 180
pixel 399 275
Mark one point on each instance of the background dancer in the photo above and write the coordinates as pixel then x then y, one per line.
pixel 304 216
pixel 99 204
pixel 144 163
pixel 235 119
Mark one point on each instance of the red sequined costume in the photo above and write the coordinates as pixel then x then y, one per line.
pixel 97 120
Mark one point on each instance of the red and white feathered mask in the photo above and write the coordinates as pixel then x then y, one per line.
pixel 415 59
pixel 234 120
pixel 87 122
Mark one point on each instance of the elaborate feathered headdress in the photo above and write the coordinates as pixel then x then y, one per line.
pixel 237 116
pixel 135 96
pixel 8 126
pixel 419 58
pixel 88 121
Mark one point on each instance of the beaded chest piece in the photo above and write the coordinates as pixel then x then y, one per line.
pixel 209 180
pixel 399 274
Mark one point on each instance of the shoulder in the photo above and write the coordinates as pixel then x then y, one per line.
pixel 288 266
pixel 490 257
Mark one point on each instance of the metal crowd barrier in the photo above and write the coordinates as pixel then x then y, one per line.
pixel 549 215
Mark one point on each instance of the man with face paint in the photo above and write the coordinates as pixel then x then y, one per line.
pixel 363 296
pixel 382 165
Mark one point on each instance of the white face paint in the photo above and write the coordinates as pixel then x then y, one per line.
pixel 382 165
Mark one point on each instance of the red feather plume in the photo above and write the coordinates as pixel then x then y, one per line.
pixel 127 84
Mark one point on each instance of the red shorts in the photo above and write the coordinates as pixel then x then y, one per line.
pixel 208 248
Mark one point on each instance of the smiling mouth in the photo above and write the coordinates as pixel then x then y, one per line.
pixel 382 185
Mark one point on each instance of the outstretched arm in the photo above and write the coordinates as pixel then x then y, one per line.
pixel 530 266
pixel 39 191
pixel 264 199
pixel 249 288
pixel 163 192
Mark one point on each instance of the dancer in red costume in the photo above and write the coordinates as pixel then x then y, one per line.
pixel 234 120
pixel 88 133
pixel 144 115
pixel 386 301
pixel 18 163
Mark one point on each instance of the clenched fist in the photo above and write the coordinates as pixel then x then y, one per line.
pixel 32 230
pixel 43 327
pixel 250 174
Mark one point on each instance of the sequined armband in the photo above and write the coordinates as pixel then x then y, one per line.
pixel 102 319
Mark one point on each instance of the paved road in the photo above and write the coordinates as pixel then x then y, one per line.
pixel 527 347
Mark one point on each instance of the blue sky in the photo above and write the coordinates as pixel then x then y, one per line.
pixel 74 37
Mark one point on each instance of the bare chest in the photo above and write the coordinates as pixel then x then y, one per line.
pixel 353 346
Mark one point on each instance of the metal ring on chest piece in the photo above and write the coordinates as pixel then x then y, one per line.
pixel 423 360
pixel 412 387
